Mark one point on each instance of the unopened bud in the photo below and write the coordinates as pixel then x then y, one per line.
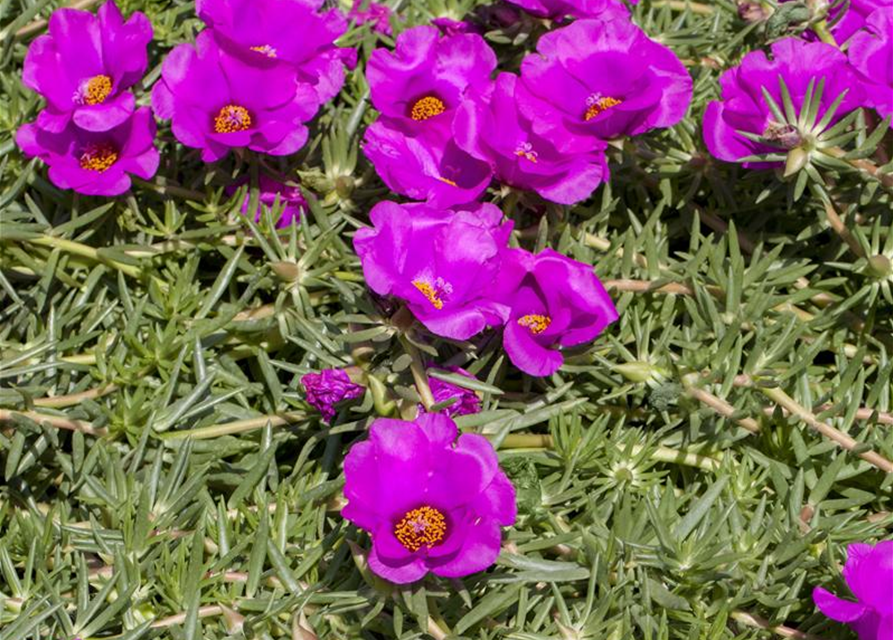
pixel 287 270
pixel 879 266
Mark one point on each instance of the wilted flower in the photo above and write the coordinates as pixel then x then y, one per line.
pixel 95 162
pixel 290 199
pixel 441 262
pixel 430 501
pixel 602 79
pixel 869 575
pixel 744 107
pixel 498 132
pixel 374 13
pixel 437 172
pixel 294 32
pixel 555 302
pixel 871 53
pixel 576 8
pixel 84 66
pixel 450 27
pixel 217 101
pixel 421 84
pixel 327 388
pixel 467 401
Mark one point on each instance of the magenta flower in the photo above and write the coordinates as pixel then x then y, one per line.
pixel 84 66
pixel 216 101
pixel 441 262
pixel 374 13
pixel 441 174
pixel 871 54
pixel 744 108
pixel 295 32
pixel 290 199
pixel 430 502
pixel 467 401
pixel 498 132
pixel 602 79
pixel 421 84
pixel 869 575
pixel 327 388
pixel 556 9
pixel 554 302
pixel 95 162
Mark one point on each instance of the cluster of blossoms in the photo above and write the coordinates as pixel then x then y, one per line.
pixel 90 133
pixel 455 272
pixel 448 127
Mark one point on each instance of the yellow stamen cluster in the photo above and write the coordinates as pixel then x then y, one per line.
pixel 535 322
pixel 98 157
pixel 429 292
pixel 97 90
pixel 600 105
pixel 425 526
pixel 232 118
pixel 427 107
pixel 448 181
pixel 265 49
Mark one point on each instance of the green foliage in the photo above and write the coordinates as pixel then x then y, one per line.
pixel 163 478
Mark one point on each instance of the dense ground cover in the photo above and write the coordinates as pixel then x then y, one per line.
pixel 692 473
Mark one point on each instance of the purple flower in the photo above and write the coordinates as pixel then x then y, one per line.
pixel 441 262
pixel 290 199
pixel 95 162
pixel 467 400
pixel 430 502
pixel 441 174
pixel 576 8
pixel 499 133
pixel 421 84
pixel 744 108
pixel 294 32
pixel 871 54
pixel 327 388
pixel 602 79
pixel 84 66
pixel 554 302
pixel 869 575
pixel 450 27
pixel 217 101
pixel 376 14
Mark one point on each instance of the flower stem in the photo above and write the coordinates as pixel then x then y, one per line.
pixel 787 402
pixel 54 421
pixel 419 375
pixel 820 28
pixel 683 5
pixel 238 426
pixel 84 251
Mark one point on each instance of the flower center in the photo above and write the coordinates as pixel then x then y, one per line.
pixel 525 150
pixel 98 157
pixel 435 293
pixel 597 103
pixel 448 181
pixel 95 90
pixel 265 49
pixel 422 527
pixel 535 322
pixel 232 118
pixel 427 107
